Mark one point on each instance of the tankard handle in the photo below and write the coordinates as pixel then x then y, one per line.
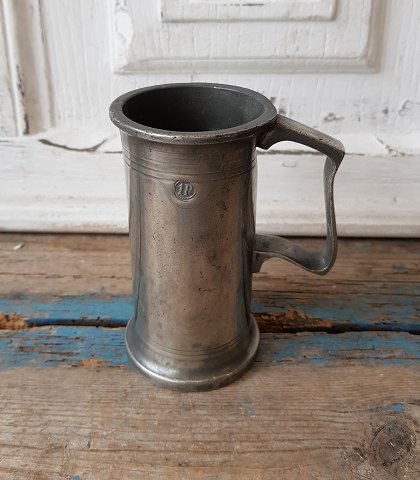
pixel 267 246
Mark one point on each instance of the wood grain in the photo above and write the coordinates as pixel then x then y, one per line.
pixel 85 279
pixel 77 346
pixel 314 406
pixel 56 184
pixel 289 421
pixel 68 264
pixel 61 188
pixel 348 102
pixel 8 91
pixel 240 49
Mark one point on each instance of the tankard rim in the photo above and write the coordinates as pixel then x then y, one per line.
pixel 252 127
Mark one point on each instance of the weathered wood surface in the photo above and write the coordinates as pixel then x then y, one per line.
pixel 75 184
pixel 286 421
pixel 53 279
pixel 77 346
pixel 315 406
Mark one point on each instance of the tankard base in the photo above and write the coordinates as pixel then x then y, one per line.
pixel 208 380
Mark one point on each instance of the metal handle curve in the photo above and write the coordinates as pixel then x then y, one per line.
pixel 267 246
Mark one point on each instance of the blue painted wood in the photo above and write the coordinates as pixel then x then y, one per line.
pixel 98 346
pixel 54 310
pixel 54 346
pixel 384 348
pixel 397 312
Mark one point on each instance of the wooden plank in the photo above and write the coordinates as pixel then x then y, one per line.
pixel 79 189
pixel 317 407
pixel 384 102
pixel 314 406
pixel 28 65
pixel 9 94
pixel 74 346
pixel 274 312
pixel 58 265
pixel 93 264
pixel 85 279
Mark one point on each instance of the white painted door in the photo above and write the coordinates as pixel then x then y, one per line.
pixel 348 67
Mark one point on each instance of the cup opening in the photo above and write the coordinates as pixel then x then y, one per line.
pixel 192 108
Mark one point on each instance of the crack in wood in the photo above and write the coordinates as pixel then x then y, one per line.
pixel 267 322
pixel 92 149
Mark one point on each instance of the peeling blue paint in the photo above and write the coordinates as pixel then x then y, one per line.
pixel 397 312
pixel 49 311
pixel 76 477
pixel 55 346
pixel 397 408
pixel 399 267
pixel 73 346
pixel 325 349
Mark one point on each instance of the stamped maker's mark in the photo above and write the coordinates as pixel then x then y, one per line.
pixel 184 190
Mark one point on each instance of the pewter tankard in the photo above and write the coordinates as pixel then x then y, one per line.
pixel 190 155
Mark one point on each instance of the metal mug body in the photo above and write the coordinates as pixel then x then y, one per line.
pixel 190 155
pixel 192 229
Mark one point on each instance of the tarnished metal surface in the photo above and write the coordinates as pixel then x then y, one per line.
pixel 190 152
pixel 267 246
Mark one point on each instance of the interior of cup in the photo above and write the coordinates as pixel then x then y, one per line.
pixel 192 108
